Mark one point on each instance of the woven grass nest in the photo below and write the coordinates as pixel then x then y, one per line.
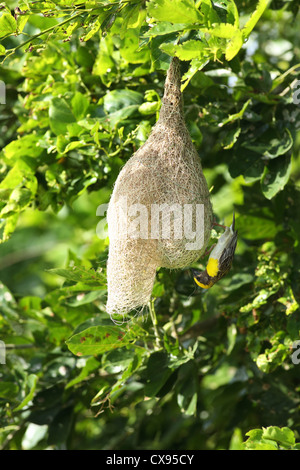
pixel 160 201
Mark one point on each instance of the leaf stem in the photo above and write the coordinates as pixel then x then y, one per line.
pixel 155 324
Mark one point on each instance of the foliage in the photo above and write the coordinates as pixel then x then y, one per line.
pixel 201 369
pixel 271 438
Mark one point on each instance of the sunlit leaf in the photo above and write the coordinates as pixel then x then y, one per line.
pixel 8 24
pixel 174 11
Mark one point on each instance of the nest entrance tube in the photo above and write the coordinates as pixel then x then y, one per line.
pixel 159 214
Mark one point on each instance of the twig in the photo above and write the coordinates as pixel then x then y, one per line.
pixel 35 36
pixel 155 324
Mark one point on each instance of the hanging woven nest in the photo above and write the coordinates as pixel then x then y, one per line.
pixel 160 213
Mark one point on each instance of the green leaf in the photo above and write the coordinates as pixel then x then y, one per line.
pixel 60 115
pixel 269 438
pixel 191 49
pixel 231 137
pixel 133 17
pixel 236 441
pixel 85 298
pixel 234 45
pixel 289 301
pixel 120 104
pixel 60 426
pixel 80 104
pixel 17 191
pixel 262 444
pixel 104 65
pixel 219 378
pixel 232 13
pixel 90 365
pixel 255 16
pixel 99 339
pixel 7 226
pixel 8 303
pixel 195 66
pixel 272 358
pixel 273 143
pixel 130 49
pixel 239 280
pixel 174 11
pixel 187 403
pixel 209 11
pixel 165 27
pixel 238 115
pixel 120 99
pixel 276 176
pixel 254 227
pixel 26 146
pixel 19 198
pixel 259 80
pixel 186 386
pixel 149 108
pixel 158 372
pixel 160 59
pixel 284 436
pixel 19 173
pixel 222 30
pixel 246 163
pixel 31 383
pixel 231 337
pixel 34 434
pixel 202 81
pixel 8 390
pixel 93 29
pixel 133 365
pixel 8 25
pixel 79 274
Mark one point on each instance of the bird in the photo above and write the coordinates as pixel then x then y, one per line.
pixel 220 258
